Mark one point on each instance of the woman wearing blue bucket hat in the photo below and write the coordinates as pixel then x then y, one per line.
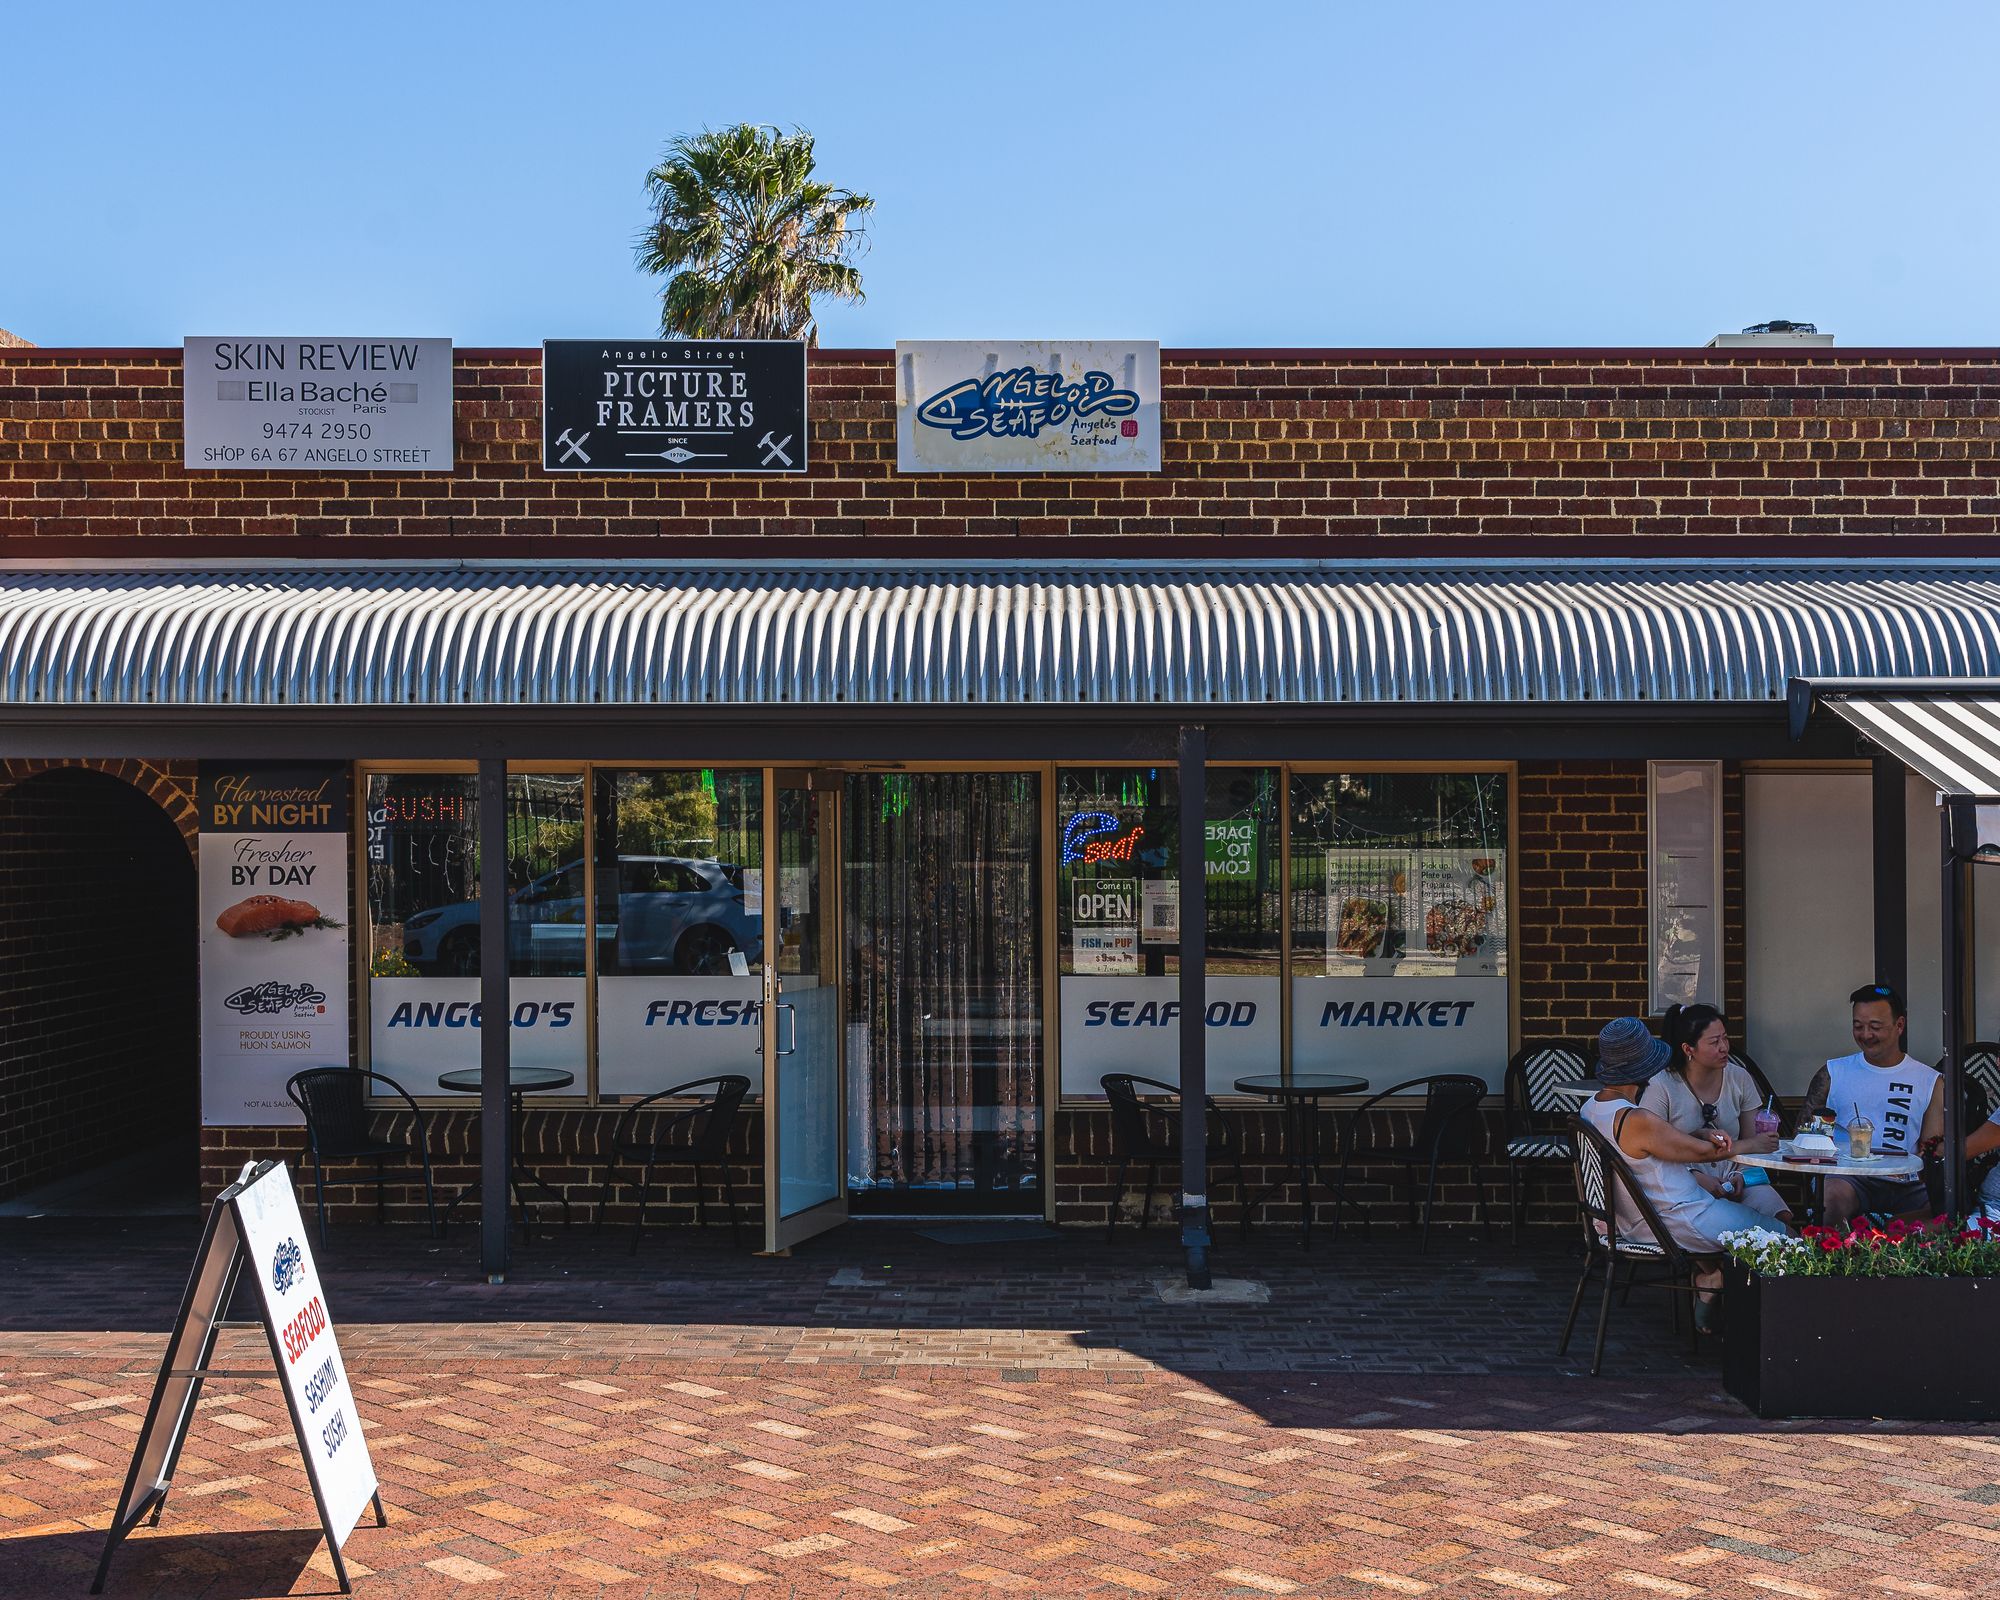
pixel 1661 1157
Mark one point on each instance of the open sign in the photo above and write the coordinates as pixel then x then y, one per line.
pixel 1105 900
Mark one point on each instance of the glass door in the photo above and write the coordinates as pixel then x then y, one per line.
pixel 805 1189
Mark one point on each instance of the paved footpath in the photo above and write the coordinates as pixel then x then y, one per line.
pixel 785 1455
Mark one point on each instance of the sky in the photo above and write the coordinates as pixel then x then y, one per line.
pixel 1219 174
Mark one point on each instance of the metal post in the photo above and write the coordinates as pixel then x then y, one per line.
pixel 495 1017
pixel 1193 889
pixel 1892 874
pixel 1955 826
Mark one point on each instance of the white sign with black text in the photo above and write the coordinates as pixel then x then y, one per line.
pixel 316 405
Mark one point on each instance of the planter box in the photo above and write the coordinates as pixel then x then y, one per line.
pixel 1918 1349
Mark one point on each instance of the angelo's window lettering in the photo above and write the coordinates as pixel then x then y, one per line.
pixel 426 947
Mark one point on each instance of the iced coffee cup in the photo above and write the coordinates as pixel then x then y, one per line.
pixel 1860 1138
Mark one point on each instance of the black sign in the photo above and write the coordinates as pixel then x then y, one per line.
pixel 255 796
pixel 673 405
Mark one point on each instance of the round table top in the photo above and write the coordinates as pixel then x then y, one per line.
pixel 1843 1166
pixel 468 1079
pixel 1577 1089
pixel 1305 1085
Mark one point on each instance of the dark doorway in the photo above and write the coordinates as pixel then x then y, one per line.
pixel 99 1019
pixel 944 982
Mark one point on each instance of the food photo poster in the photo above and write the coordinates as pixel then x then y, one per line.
pixel 274 937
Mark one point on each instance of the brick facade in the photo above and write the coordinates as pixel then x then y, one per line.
pixel 1275 453
pixel 1267 452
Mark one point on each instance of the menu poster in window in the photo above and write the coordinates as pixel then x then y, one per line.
pixel 1366 918
pixel 272 854
pixel 1684 818
pixel 1456 911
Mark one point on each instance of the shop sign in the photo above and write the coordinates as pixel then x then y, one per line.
pixel 1387 1029
pixel 1038 405
pixel 1132 1024
pixel 316 405
pixel 254 1228
pixel 615 406
pixel 419 1028
pixel 308 1354
pixel 655 1032
pixel 1229 848
pixel 273 852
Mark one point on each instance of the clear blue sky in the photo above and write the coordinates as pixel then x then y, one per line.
pixel 1204 174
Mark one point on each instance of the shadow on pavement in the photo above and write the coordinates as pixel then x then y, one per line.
pixel 216 1566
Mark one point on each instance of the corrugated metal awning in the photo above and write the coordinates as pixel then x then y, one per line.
pixel 1951 740
pixel 996 635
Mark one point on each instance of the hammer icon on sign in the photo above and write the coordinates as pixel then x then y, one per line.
pixel 572 448
pixel 774 450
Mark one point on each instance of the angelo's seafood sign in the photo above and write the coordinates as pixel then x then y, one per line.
pixel 274 886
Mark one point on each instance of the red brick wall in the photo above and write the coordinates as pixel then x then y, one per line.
pixel 1321 451
pixel 98 1025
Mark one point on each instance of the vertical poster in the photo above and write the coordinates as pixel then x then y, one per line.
pixel 274 943
pixel 1684 825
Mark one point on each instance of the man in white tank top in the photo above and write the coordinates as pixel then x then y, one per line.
pixel 1894 1091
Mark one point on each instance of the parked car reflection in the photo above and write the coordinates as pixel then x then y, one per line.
pixel 674 915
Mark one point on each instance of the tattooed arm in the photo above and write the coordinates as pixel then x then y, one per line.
pixel 1817 1094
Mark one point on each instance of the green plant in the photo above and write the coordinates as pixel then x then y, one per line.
pixel 1934 1249
pixel 749 234
pixel 391 964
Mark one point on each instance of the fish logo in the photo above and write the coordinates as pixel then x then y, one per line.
pixel 1021 401
pixel 287 1263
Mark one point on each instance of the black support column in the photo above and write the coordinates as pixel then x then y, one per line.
pixel 1193 889
pixel 1956 830
pixel 495 1017
pixel 1892 874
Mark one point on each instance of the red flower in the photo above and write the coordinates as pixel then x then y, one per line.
pixel 1829 1243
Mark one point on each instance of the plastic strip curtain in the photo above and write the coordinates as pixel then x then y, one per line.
pixel 944 984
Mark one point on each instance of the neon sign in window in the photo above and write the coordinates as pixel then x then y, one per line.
pixel 1083 839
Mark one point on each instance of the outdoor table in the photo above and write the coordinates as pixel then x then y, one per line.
pixel 1301 1094
pixel 1577 1089
pixel 521 1081
pixel 1842 1166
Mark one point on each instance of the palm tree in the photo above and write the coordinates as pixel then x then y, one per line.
pixel 749 234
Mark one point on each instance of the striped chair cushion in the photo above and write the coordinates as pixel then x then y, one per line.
pixel 1538 1147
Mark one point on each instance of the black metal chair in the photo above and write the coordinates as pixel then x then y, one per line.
pixel 1599 1165
pixel 1448 1129
pixel 339 1127
pixel 1538 1117
pixel 1982 1066
pixel 710 1123
pixel 1148 1129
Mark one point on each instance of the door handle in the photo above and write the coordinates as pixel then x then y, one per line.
pixel 789 1015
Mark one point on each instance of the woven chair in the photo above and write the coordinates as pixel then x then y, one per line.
pixel 1599 1165
pixel 709 1123
pixel 1537 1117
pixel 340 1127
pixel 1448 1129
pixel 1147 1128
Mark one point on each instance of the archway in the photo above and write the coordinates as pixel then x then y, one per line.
pixel 99 1008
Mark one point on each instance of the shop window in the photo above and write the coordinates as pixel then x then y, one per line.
pixel 1118 919
pixel 1399 924
pixel 425 954
pixel 680 926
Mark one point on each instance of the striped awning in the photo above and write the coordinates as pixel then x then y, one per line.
pixel 1952 740
pixel 987 635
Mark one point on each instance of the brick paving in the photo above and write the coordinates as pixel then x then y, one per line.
pixel 1009 1419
